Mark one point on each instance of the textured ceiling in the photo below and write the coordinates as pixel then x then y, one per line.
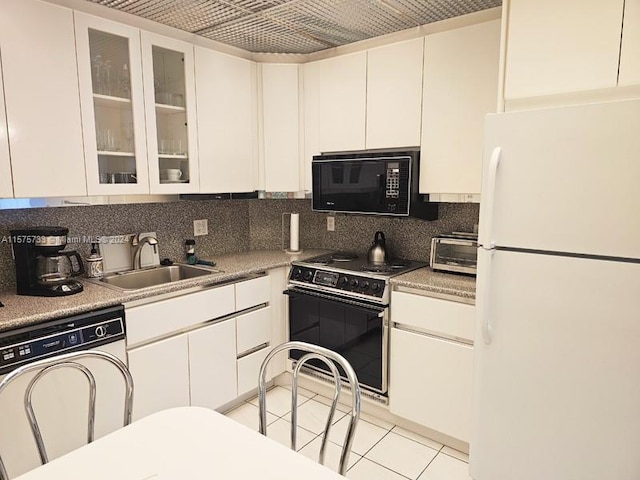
pixel 295 26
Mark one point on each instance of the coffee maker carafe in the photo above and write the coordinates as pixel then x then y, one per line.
pixel 42 268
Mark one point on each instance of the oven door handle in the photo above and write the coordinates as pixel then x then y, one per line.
pixel 367 306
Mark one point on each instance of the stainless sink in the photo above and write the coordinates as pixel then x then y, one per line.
pixel 136 279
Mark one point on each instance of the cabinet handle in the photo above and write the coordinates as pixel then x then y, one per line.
pixel 489 196
pixel 252 350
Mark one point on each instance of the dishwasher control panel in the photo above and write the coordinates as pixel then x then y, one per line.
pixel 23 347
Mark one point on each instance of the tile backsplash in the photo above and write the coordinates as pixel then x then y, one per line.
pixel 234 226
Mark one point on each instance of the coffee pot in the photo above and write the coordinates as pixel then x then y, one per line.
pixel 58 268
pixel 377 254
pixel 42 267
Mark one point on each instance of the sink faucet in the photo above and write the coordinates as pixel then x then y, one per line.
pixel 139 243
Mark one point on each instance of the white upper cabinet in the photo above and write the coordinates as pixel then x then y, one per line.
pixel 226 100
pixel 340 98
pixel 42 106
pixel 170 106
pixel 460 88
pixel 630 54
pixel 280 127
pixel 394 94
pixel 559 47
pixel 6 183
pixel 311 80
pixel 110 78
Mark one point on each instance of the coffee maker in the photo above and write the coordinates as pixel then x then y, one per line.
pixel 42 268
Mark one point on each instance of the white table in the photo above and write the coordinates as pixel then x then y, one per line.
pixel 188 443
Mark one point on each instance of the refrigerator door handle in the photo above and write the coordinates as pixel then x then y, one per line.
pixel 489 196
pixel 484 282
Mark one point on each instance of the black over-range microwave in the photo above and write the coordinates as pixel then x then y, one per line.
pixel 370 182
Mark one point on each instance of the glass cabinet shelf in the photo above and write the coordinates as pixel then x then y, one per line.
pixel 109 101
pixel 164 108
pixel 116 153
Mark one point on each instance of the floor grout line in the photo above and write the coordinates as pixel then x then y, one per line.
pixel 364 455
pixel 434 457
pixel 390 469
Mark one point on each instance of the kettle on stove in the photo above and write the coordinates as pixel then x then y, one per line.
pixel 377 254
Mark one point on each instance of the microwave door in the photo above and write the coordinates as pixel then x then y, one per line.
pixel 382 181
pixel 356 186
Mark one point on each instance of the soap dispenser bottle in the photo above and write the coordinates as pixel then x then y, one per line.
pixel 95 267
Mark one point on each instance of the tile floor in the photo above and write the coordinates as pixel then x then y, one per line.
pixel 380 451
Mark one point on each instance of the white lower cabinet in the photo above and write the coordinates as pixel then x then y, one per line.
pixel 253 330
pixel 431 362
pixel 252 292
pixel 249 368
pixel 431 382
pixel 212 361
pixel 212 355
pixel 161 375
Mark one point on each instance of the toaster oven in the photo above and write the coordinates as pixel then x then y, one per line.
pixel 455 252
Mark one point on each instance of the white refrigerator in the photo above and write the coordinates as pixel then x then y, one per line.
pixel 557 352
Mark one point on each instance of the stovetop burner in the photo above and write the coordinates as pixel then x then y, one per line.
pixel 343 256
pixel 383 268
pixel 320 260
pixel 397 264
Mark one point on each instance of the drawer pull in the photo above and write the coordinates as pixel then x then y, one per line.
pixel 252 350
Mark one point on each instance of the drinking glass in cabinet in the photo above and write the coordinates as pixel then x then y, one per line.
pixel 170 147
pixel 109 64
pixel 168 74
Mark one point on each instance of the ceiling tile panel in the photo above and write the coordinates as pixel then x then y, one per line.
pixel 295 26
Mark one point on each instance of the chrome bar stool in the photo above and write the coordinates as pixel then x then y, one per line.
pixel 328 357
pixel 68 360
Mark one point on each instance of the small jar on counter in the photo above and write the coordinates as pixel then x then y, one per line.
pixel 95 267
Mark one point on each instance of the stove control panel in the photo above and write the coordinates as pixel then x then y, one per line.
pixel 342 281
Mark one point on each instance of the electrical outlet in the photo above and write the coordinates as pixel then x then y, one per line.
pixel 331 224
pixel 200 227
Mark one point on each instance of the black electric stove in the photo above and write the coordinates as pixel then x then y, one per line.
pixel 349 274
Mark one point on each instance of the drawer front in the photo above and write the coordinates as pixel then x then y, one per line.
pixel 248 369
pixel 431 382
pixel 161 376
pixel 212 365
pixel 252 292
pixel 146 322
pixel 253 329
pixel 444 317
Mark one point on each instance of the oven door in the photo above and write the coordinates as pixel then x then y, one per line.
pixel 357 330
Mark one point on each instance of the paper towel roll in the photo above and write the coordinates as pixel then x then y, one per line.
pixel 294 232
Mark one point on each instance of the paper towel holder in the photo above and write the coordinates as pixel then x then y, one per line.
pixel 284 236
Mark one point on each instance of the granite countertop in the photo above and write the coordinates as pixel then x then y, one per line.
pixel 438 282
pixel 20 311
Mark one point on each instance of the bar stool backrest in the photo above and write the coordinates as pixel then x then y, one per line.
pixel 329 358
pixel 68 360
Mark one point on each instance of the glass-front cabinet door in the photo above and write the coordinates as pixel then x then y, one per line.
pixel 169 91
pixel 111 98
pixel 6 181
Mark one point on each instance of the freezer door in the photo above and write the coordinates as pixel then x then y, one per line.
pixel 567 180
pixel 557 388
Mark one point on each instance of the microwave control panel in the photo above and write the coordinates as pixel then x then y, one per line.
pixel 393 180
